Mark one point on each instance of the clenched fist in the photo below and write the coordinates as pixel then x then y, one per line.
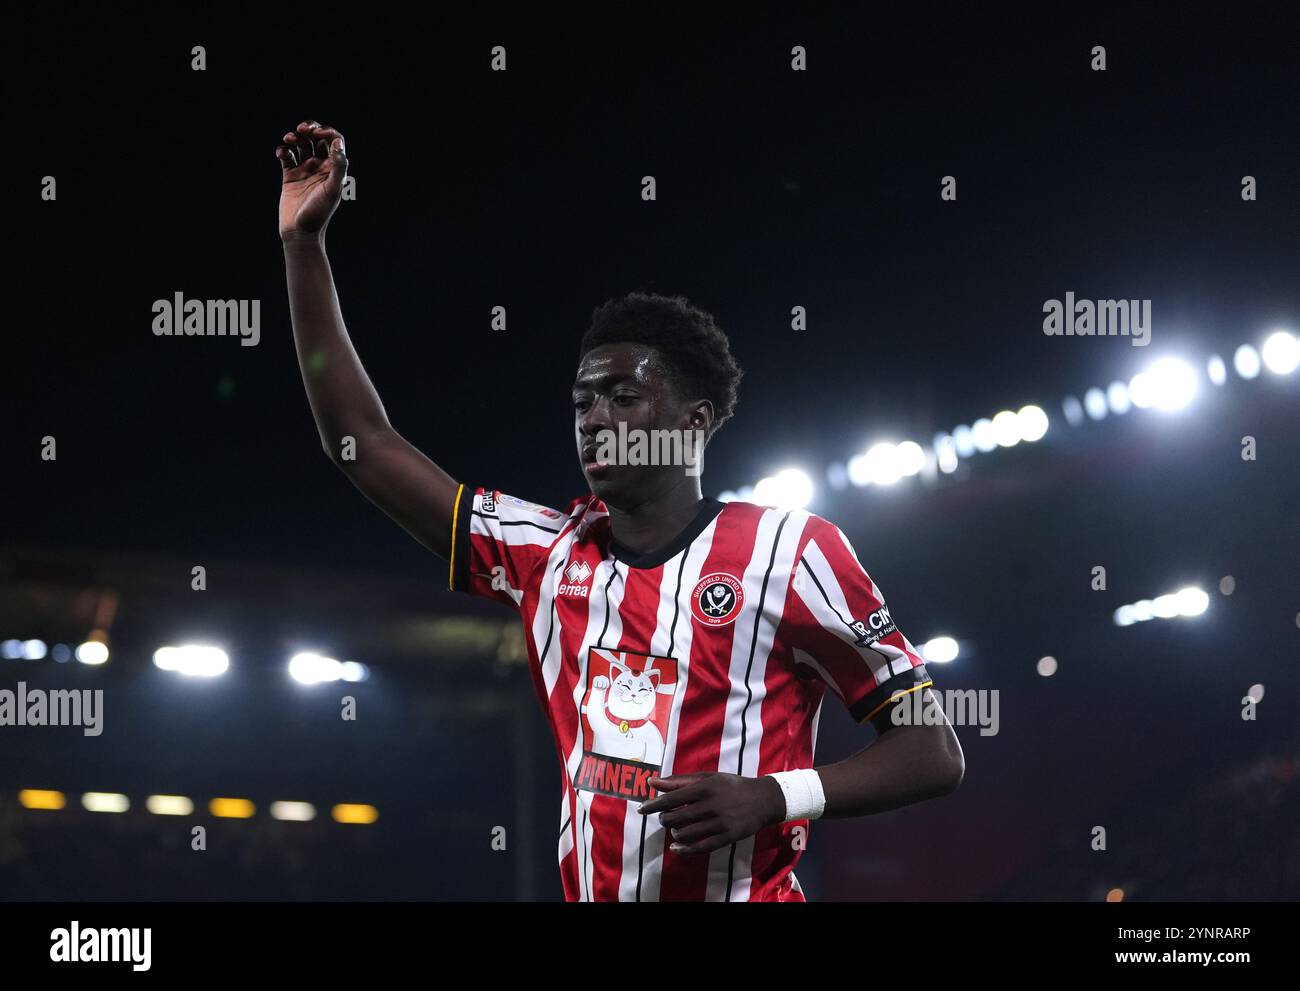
pixel 313 164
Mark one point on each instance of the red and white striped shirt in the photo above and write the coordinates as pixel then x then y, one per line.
pixel 711 654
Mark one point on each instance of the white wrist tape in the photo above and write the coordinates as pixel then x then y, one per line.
pixel 804 798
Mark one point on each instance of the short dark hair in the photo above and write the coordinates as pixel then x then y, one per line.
pixel 693 346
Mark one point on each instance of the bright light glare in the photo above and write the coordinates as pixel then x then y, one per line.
pixel 293 811
pixel 311 669
pixel 1094 401
pixel 1169 384
pixel 352 671
pixel 1033 422
pixel 92 652
pixel 1165 606
pixel 1117 397
pixel 1073 411
pixel 984 435
pixel 1192 601
pixel 963 439
pixel 1006 429
pixel 939 650
pixel 192 660
pixel 169 805
pixel 1217 370
pixel 1246 361
pixel 788 489
pixel 947 452
pixel 880 465
pixel 1281 353
pixel 103 801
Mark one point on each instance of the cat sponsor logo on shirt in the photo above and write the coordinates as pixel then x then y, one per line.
pixel 624 716
pixel 717 599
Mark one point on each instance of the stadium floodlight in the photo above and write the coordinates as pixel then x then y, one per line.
pixel 309 668
pixel 1094 403
pixel 1118 399
pixel 353 671
pixel 882 464
pixel 103 801
pixel 1169 384
pixel 1046 666
pixel 1073 410
pixel 1246 361
pixel 11 650
pixel 789 488
pixel 1192 601
pixel 357 815
pixel 293 811
pixel 858 470
pixel 92 652
pixel 232 808
pixel 169 805
pixel 985 437
pixel 1165 606
pixel 1281 353
pixel 963 439
pixel 939 650
pixel 947 455
pixel 1033 422
pixel 34 650
pixel 192 660
pixel 1006 429
pixel 41 798
pixel 1185 603
pixel 1217 370
pixel 911 457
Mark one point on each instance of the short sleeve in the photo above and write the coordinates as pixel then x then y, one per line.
pixel 499 543
pixel 841 628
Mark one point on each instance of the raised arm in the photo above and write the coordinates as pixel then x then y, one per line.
pixel 354 429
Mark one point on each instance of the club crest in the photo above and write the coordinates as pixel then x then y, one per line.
pixel 717 599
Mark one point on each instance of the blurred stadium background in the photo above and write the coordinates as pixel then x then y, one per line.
pixel 982 469
pixel 1118 708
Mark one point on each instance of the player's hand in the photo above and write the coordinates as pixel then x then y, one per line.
pixel 707 811
pixel 313 164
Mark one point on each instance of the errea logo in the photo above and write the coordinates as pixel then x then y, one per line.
pixel 879 624
pixel 576 574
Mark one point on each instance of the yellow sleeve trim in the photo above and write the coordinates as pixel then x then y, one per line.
pixel 894 698
pixel 455 518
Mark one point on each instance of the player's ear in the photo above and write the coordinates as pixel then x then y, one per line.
pixel 701 416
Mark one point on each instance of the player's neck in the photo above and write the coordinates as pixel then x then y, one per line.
pixel 657 521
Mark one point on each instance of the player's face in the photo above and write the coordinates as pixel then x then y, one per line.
pixel 624 384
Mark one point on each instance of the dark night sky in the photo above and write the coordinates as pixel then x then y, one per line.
pixel 775 188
